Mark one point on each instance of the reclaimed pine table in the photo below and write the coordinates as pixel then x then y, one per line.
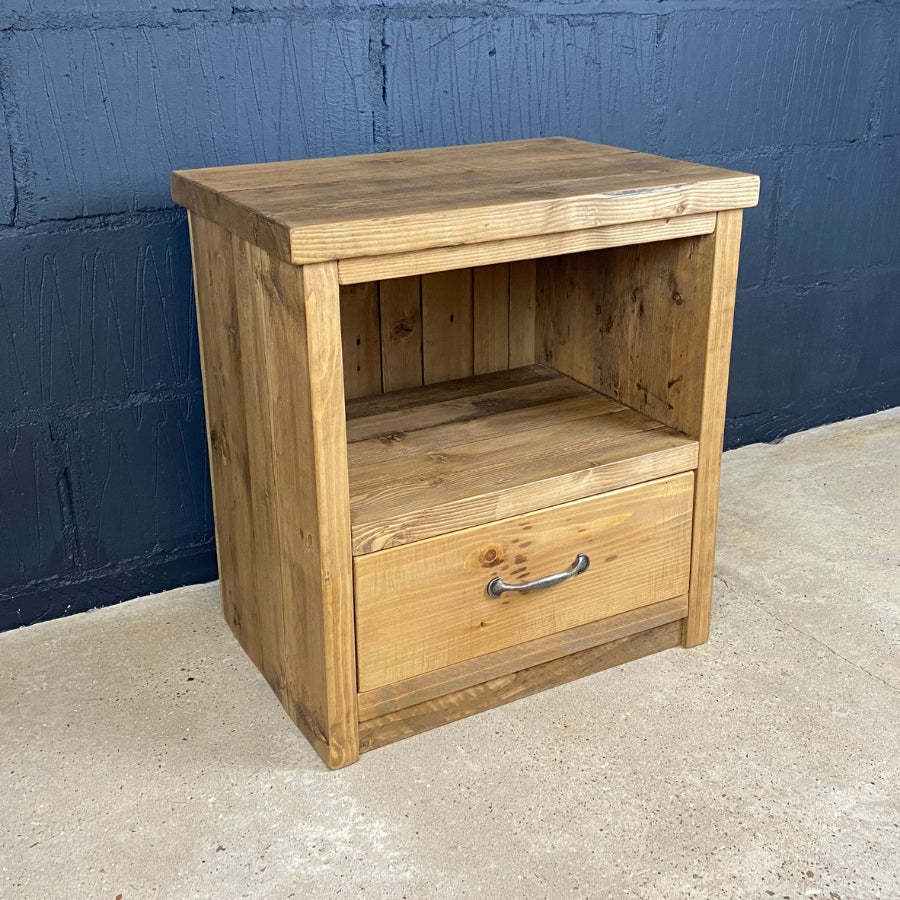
pixel 465 411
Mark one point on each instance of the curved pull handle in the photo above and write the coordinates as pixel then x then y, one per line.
pixel 495 587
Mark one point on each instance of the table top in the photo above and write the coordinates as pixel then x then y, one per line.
pixel 316 210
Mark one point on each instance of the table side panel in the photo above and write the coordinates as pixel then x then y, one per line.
pixel 310 439
pixel 279 462
pixel 631 322
pixel 226 430
pixel 724 267
pixel 650 325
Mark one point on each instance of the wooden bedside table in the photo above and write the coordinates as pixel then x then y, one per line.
pixel 435 377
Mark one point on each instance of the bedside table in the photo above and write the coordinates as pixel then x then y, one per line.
pixel 465 411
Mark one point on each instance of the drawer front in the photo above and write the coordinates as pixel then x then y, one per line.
pixel 425 605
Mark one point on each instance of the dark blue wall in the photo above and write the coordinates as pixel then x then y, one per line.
pixel 103 481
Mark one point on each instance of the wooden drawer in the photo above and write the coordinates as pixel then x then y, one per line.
pixel 425 605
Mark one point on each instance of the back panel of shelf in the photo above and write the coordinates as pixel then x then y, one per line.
pixel 424 329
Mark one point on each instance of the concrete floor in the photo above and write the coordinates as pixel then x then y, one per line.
pixel 143 756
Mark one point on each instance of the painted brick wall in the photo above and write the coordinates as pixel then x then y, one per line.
pixel 103 476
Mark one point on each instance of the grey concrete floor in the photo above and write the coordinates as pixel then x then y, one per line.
pixel 143 756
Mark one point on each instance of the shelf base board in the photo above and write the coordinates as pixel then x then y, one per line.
pixel 458 704
pixel 439 459
pixel 430 685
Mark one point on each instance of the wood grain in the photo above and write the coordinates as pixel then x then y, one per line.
pixel 522 300
pixel 447 390
pixel 447 325
pixel 631 322
pixel 431 685
pixel 226 406
pixel 640 457
pixel 266 604
pixel 460 422
pixel 317 210
pixel 425 606
pixel 418 472
pixel 497 691
pixel 401 332
pixel 389 434
pixel 490 289
pixel 361 339
pixel 290 325
pixel 393 265
pixel 717 350
pixel 318 538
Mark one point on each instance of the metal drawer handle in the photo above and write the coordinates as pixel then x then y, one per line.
pixel 496 587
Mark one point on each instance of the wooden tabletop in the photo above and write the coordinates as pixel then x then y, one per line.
pixel 354 206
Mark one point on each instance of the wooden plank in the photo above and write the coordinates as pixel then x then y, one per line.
pixel 390 203
pixel 223 394
pixel 491 458
pixel 298 317
pixel 401 332
pixel 461 424
pixel 392 428
pixel 712 423
pixel 490 290
pixel 396 502
pixel 394 265
pixel 447 390
pixel 361 339
pixel 447 325
pixel 640 458
pixel 522 299
pixel 630 200
pixel 425 606
pixel 404 723
pixel 263 554
pixel 381 172
pixel 253 226
pixel 371 174
pixel 431 685
pixel 631 323
pixel 330 584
